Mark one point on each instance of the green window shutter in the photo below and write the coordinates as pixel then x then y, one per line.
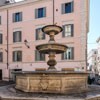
pixel 43 35
pixel 1 38
pixel 13 17
pixel 63 8
pixel 63 32
pixel 20 16
pixel 0 20
pixel 36 34
pixel 14 37
pixel 44 12
pixel 36 55
pixel 13 58
pixel 36 13
pixel 72 30
pixel 19 36
pixel 72 6
pixel 19 55
pixel 1 56
pixel 72 51
pixel 62 56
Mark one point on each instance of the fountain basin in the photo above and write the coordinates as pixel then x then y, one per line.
pixel 51 82
pixel 51 47
pixel 52 28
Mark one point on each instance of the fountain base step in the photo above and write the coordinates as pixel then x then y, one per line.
pixel 51 82
pixel 10 93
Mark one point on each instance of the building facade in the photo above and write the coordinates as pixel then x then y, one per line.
pixel 98 57
pixel 92 61
pixel 20 32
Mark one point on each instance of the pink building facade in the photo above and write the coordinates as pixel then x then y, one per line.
pixel 20 25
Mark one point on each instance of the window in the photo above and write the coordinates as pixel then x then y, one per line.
pixel 95 52
pixel 69 54
pixel 1 57
pixel 17 56
pixel 0 38
pixel 39 56
pixel 67 7
pixel 0 20
pixel 17 17
pixel 39 34
pixel 40 12
pixel 17 36
pixel 68 30
pixel 95 64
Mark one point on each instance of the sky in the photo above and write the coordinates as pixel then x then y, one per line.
pixel 94 24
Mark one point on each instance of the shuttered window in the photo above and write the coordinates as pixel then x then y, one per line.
pixel 68 7
pixel 1 38
pixel 17 17
pixel 1 56
pixel 40 12
pixel 39 56
pixel 17 36
pixel 68 30
pixel 39 34
pixel 69 54
pixel 0 20
pixel 17 56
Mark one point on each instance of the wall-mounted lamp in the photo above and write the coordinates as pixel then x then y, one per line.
pixel 25 41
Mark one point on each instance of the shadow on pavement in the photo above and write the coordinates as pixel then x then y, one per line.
pixel 4 83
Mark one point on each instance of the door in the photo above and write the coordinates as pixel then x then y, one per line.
pixel 14 76
pixel 0 74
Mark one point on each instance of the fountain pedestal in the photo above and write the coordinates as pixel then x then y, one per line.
pixel 51 82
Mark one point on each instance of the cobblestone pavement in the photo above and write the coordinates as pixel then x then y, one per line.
pixel 4 83
pixel 10 92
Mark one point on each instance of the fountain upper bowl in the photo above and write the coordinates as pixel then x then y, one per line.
pixel 52 28
pixel 51 47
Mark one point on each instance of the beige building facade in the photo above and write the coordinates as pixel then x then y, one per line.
pixel 98 57
pixel 92 61
pixel 20 32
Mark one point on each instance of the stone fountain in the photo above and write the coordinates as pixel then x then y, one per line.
pixel 51 47
pixel 51 81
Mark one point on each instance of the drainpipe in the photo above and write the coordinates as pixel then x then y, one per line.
pixel 53 13
pixel 7 39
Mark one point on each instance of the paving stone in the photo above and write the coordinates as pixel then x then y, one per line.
pixel 10 93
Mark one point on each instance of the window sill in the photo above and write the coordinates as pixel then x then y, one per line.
pixel 17 62
pixel 41 40
pixel 65 60
pixel 17 42
pixel 40 18
pixel 17 21
pixel 67 36
pixel 68 13
pixel 39 61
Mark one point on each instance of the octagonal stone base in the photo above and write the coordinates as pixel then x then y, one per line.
pixel 51 82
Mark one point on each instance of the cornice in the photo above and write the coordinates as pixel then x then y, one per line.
pixel 22 3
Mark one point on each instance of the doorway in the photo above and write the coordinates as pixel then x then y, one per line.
pixel 13 76
pixel 0 74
